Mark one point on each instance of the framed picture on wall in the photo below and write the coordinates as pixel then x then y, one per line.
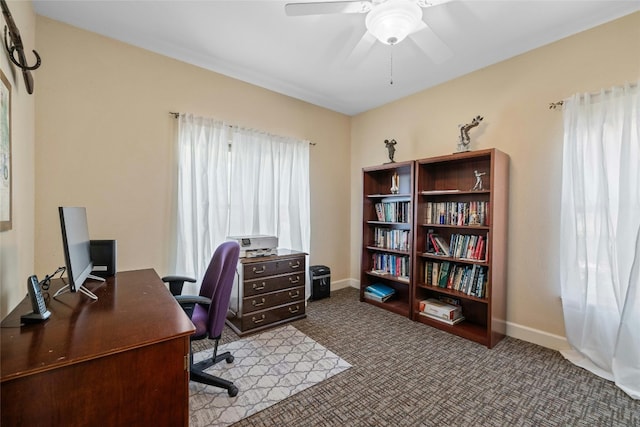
pixel 5 153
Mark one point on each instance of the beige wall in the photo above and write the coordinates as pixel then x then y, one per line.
pixel 105 140
pixel 17 245
pixel 513 96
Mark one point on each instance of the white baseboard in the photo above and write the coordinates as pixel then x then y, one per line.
pixel 345 283
pixel 536 336
pixel 521 332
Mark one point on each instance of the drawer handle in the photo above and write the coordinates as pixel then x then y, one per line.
pixel 259 287
pixel 296 295
pixel 296 265
pixel 294 310
pixel 260 320
pixel 258 304
pixel 293 281
pixel 262 269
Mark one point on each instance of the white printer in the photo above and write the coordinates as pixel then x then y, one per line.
pixel 255 246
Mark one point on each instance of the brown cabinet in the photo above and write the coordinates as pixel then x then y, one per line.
pixel 269 291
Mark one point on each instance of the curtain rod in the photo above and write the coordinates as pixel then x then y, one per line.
pixel 176 115
pixel 558 104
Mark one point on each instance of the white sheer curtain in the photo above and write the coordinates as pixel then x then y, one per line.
pixel 270 188
pixel 202 214
pixel 600 234
pixel 236 182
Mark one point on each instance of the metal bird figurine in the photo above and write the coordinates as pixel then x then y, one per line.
pixel 463 143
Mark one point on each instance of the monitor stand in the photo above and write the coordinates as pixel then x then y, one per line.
pixel 83 289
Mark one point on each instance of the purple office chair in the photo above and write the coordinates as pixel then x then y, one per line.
pixel 208 311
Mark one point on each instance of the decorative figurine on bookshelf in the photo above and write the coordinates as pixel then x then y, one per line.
pixel 391 146
pixel 395 183
pixel 478 185
pixel 464 139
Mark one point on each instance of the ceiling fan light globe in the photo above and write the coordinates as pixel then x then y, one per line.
pixel 392 21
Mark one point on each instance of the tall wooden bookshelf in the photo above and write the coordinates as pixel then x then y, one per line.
pixel 387 233
pixel 448 206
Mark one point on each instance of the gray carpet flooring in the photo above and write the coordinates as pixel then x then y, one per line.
pixel 408 374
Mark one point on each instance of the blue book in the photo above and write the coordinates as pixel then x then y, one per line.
pixel 380 289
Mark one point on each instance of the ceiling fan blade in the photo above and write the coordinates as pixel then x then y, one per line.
pixel 361 50
pixel 429 42
pixel 322 8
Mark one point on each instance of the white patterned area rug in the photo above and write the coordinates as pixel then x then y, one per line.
pixel 268 368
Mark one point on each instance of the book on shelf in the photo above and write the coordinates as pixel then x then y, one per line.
pixel 468 246
pixel 468 279
pixel 379 212
pixel 444 274
pixel 435 273
pixel 394 239
pixel 440 246
pixel 398 266
pixel 440 309
pixel 393 210
pixel 428 271
pixel 439 319
pixel 473 213
pixel 378 272
pixel 375 297
pixel 380 290
pixel 455 283
pixel 452 274
pixel 449 300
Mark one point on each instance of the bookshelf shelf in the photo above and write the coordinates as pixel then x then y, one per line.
pixel 441 258
pixel 391 224
pixel 461 227
pixel 390 195
pixel 465 329
pixel 449 192
pixel 391 251
pixel 385 276
pixel 395 306
pixel 452 293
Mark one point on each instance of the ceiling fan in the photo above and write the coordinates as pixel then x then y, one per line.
pixel 388 21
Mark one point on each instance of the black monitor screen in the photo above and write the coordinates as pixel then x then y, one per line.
pixel 76 244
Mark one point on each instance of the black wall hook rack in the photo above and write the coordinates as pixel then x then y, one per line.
pixel 13 45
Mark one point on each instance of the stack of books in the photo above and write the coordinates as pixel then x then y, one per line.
pixel 378 292
pixel 441 311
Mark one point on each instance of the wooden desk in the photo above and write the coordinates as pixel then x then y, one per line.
pixel 120 360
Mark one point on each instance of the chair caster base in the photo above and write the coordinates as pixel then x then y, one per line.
pixel 229 359
pixel 233 391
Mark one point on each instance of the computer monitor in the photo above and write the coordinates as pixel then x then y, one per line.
pixel 77 252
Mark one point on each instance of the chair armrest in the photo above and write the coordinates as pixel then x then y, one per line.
pixel 193 299
pixel 188 302
pixel 177 282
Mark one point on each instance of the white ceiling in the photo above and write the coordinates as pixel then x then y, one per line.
pixel 308 57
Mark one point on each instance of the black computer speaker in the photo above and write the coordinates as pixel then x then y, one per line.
pixel 103 256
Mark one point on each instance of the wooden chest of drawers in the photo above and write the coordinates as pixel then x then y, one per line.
pixel 268 291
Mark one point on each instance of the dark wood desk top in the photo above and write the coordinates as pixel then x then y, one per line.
pixel 134 309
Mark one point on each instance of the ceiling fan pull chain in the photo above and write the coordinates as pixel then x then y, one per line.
pixel 391 65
